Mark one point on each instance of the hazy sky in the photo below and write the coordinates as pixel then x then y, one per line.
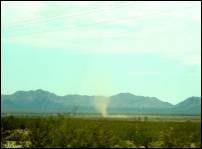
pixel 145 48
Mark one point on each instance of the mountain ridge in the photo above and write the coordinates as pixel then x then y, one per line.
pixel 122 102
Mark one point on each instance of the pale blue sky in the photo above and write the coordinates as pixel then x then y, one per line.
pixel 145 48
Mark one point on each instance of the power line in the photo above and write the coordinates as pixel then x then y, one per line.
pixel 62 16
pixel 111 20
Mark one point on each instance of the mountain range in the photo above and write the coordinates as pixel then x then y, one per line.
pixel 44 101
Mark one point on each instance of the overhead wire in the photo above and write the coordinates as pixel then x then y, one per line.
pixel 51 18
pixel 107 21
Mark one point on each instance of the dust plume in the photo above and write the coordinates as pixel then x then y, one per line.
pixel 101 103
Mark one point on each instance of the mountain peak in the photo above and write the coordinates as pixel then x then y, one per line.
pixel 190 100
pixel 33 92
pixel 125 94
pixel 194 98
pixel 190 104
pixel 19 92
pixel 40 90
pixel 122 102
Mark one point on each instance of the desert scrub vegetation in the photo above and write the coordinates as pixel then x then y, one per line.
pixel 103 133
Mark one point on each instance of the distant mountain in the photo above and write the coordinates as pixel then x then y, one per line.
pixel 30 101
pixel 192 104
pixel 131 100
pixel 44 101
pixel 127 102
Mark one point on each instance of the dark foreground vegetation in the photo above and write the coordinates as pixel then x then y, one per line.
pixel 77 132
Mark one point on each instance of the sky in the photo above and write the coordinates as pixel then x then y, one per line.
pixel 148 48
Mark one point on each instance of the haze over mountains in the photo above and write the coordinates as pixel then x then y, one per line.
pixel 44 101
